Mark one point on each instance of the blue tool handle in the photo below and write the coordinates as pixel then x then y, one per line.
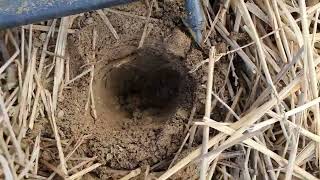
pixel 195 18
pixel 21 12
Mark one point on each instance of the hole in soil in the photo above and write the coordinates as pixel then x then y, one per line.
pixel 146 83
pixel 142 102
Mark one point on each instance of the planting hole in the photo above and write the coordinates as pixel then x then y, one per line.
pixel 146 83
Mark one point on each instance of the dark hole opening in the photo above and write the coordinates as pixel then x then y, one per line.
pixel 148 81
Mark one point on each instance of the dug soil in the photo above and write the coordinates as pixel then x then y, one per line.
pixel 142 96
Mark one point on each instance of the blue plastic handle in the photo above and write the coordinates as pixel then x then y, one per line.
pixel 195 18
pixel 22 12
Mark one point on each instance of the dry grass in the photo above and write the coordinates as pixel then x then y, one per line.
pixel 19 160
pixel 273 120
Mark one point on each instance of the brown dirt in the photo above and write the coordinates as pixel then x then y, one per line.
pixel 143 97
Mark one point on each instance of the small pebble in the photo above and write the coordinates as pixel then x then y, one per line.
pixel 182 113
pixel 109 157
pixel 61 98
pixel 60 114
pixel 149 118
pixel 37 43
pixel 89 21
pixel 204 79
pixel 46 155
pixel 43 37
pixel 137 115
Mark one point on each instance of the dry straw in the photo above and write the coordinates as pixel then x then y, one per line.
pixel 272 122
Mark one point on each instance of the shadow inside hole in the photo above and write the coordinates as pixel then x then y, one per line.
pixel 147 83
